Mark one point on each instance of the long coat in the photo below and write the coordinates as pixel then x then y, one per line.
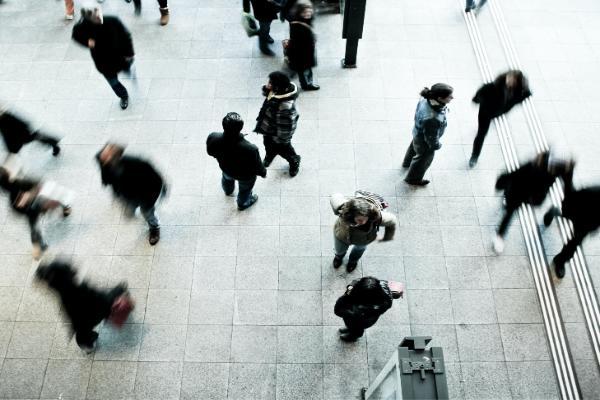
pixel 263 10
pixel 113 44
pixel 15 132
pixel 301 52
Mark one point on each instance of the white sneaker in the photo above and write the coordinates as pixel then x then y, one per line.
pixel 69 17
pixel 498 244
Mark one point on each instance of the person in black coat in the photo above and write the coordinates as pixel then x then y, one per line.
pixel 111 47
pixel 33 198
pixel 16 133
pixel 85 305
pixel 364 301
pixel 529 184
pixel 301 50
pixel 238 158
pixel 581 208
pixel 134 181
pixel 265 11
pixel 495 99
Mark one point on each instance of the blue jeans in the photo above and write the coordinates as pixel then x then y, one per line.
pixel 244 196
pixel 341 248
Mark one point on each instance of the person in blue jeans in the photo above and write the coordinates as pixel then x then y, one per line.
pixel 238 159
pixel 471 5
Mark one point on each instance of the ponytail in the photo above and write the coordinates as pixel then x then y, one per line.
pixel 439 90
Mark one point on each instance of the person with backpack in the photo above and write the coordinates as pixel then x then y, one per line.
pixel 364 301
pixel 430 124
pixel 495 99
pixel 357 225
pixel 238 158
pixel 277 120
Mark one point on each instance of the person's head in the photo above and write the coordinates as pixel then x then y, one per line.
pixel 110 153
pixel 440 92
pixel 358 211
pixel 92 13
pixel 278 82
pixel 368 291
pixel 515 79
pixel 57 274
pixel 232 124
pixel 303 10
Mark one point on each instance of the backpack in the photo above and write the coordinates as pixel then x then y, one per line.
pixel 374 198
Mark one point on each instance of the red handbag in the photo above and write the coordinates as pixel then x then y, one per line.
pixel 120 310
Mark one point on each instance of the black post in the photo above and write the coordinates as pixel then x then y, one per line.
pixel 352 28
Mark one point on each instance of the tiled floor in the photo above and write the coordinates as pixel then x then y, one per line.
pixel 239 305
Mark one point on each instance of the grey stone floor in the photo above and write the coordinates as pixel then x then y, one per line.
pixel 239 305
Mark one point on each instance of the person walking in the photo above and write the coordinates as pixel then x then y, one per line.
pixel 301 45
pixel 163 7
pixel 16 132
pixel 357 225
pixel 277 120
pixel 135 181
pixel 265 11
pixel 364 301
pixel 111 47
pixel 495 99
pixel 85 305
pixel 581 208
pixel 238 159
pixel 430 124
pixel 529 184
pixel 34 198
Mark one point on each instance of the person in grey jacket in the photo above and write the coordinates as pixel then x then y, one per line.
pixel 430 123
pixel 359 219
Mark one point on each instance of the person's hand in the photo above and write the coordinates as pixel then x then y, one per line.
pixel 91 43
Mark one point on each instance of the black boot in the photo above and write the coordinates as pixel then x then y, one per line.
pixel 549 216
pixel 559 268
pixel 154 236
pixel 295 166
pixel 337 261
pixel 351 266
pixel 268 160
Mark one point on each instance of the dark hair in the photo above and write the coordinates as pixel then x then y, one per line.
pixel 368 290
pixel 299 8
pixel 437 91
pixel 233 123
pixel 519 76
pixel 358 207
pixel 279 81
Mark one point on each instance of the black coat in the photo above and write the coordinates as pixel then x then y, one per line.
pixel 15 132
pixel 301 51
pixel 494 99
pixel 528 184
pixel 113 44
pixel 362 316
pixel 263 10
pixel 581 207
pixel 237 157
pixel 133 179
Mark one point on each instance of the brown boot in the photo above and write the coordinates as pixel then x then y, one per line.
pixel 164 16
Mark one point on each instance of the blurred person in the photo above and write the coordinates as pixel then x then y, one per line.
pixel 135 182
pixel 111 47
pixel 529 184
pixel 16 133
pixel 277 120
pixel 69 10
pixel 163 7
pixel 34 198
pixel 301 45
pixel 495 99
pixel 581 208
pixel 286 10
pixel 238 158
pixel 470 5
pixel 265 11
pixel 430 124
pixel 85 305
pixel 357 225
pixel 364 301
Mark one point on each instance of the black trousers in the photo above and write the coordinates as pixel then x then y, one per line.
pixel 285 150
pixel 484 119
pixel 508 214
pixel 264 30
pixel 305 77
pixel 569 249
pixel 161 3
pixel 418 159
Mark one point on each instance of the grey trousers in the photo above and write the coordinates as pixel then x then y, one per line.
pixel 418 158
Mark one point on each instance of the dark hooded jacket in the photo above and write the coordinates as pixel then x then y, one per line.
pixel 362 316
pixel 278 117
pixel 264 10
pixel 113 44
pixel 15 132
pixel 495 98
pixel 581 206
pixel 237 157
pixel 301 51
pixel 134 180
